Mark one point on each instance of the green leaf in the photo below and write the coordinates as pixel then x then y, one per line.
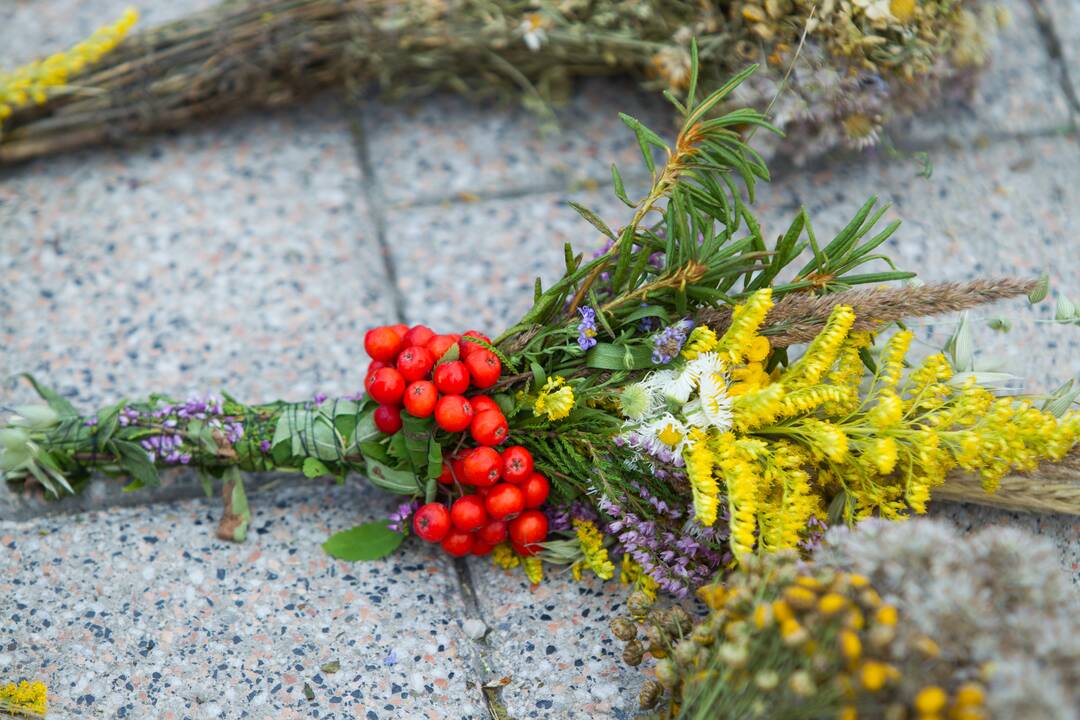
pixel 399 482
pixel 452 353
pixel 593 219
pixel 314 468
pixel 136 463
pixel 60 404
pixel 370 541
pixel 417 433
pixel 620 188
pixel 608 356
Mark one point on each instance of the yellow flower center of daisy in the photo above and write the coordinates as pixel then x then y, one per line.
pixel 670 435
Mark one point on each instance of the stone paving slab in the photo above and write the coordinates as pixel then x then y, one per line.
pixel 1004 209
pixel 139 613
pixel 472 264
pixel 237 256
pixel 1064 18
pixel 448 146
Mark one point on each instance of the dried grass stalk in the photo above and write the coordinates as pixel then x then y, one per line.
pixel 1053 488
pixel 261 53
pixel 799 317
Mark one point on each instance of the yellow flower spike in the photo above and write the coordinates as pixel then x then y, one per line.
pixel 745 321
pixel 884 452
pixel 892 358
pixel 504 556
pixel 533 569
pixel 821 353
pixel 592 545
pixel 702 339
pixel 755 408
pixel 931 700
pixel 25 698
pixel 700 461
pixel 888 411
pixel 758 349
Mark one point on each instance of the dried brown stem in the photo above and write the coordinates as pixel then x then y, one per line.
pixel 799 317
pixel 1054 487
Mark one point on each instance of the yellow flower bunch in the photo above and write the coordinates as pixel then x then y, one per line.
pixel 24 698
pixel 702 340
pixel 592 546
pixel 804 434
pixel 33 83
pixel 534 569
pixel 555 400
pixel 504 556
pixel 631 573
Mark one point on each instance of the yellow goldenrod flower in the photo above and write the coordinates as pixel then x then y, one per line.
pixel 533 569
pixel 758 349
pixel 504 556
pixel 556 399
pixel 891 365
pixel 631 574
pixel 700 461
pixel 741 480
pixel 592 545
pixel 755 409
pixel 702 339
pixel 931 700
pixel 822 351
pixel 745 321
pixel 888 411
pixel 25 698
pixel 32 84
pixel 884 451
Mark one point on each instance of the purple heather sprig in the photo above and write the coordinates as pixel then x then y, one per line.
pixel 399 519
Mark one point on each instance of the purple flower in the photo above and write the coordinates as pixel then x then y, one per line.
pixel 669 342
pixel 90 422
pixel 587 328
pixel 265 446
pixel 319 398
pixel 400 517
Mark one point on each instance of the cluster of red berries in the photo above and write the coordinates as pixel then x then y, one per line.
pixel 504 504
pixel 498 493
pixel 408 369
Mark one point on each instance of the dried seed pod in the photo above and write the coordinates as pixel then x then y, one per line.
pixel 650 694
pixel 624 628
pixel 677 621
pixel 685 652
pixel 638 603
pixel 632 653
pixel 657 637
pixel 666 673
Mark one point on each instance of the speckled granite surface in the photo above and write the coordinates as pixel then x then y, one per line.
pixel 245 254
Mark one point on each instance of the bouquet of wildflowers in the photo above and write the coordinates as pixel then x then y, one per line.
pixel 848 67
pixel 688 395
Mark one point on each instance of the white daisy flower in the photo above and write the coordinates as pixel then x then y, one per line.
pixel 715 401
pixel 665 434
pixel 533 32
pixel 695 414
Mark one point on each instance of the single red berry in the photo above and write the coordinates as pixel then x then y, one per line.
pixel 489 428
pixel 400 329
pixel 447 475
pixel 439 344
pixel 388 418
pixel 452 378
pixel 386 386
pixel 536 489
pixel 467 347
pixel 481 403
pixel 528 529
pixel 504 501
pixel 453 413
pixel 457 543
pixel 468 513
pixel 431 522
pixel 457 467
pixel 382 343
pixel 517 464
pixel 481 548
pixel 484 367
pixel 374 367
pixel 420 398
pixel 414 363
pixel 482 466
pixel 493 533
pixel 418 335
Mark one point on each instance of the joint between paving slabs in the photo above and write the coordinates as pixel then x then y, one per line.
pixel 1045 23
pixel 376 201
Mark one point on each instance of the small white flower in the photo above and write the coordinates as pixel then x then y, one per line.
pixel 532 31
pixel 695 414
pixel 667 433
pixel 682 385
pixel 715 401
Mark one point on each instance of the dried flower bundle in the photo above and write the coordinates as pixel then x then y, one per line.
pixel 661 425
pixel 887 620
pixel 863 62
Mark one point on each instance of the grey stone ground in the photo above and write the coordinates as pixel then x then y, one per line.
pixel 251 254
